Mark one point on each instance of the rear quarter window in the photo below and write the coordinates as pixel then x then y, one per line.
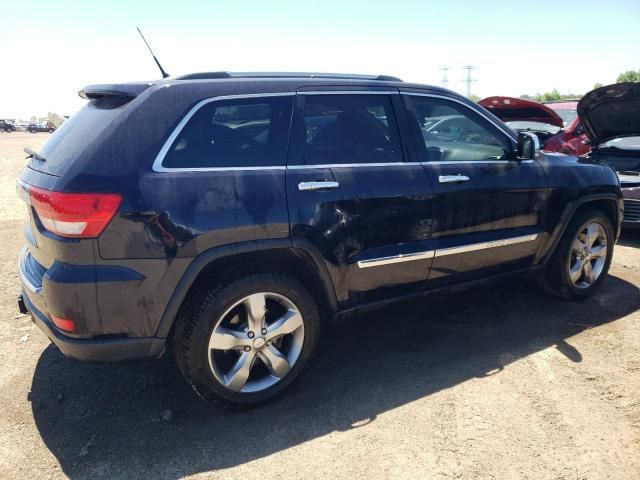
pixel 251 132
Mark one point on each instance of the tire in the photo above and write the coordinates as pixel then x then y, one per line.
pixel 216 374
pixel 51 130
pixel 556 279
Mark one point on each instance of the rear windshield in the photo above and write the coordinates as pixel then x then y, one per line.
pixel 73 136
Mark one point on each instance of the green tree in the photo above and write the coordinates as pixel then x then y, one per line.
pixel 597 85
pixel 629 76
pixel 474 98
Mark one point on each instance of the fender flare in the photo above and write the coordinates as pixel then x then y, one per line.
pixel 198 264
pixel 554 237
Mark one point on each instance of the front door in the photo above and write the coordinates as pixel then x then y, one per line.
pixel 357 193
pixel 487 202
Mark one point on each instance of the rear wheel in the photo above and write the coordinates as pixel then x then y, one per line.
pixel 246 342
pixel 581 261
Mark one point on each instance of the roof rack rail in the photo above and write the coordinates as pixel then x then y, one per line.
pixel 335 76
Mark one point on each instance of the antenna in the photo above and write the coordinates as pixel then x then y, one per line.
pixel 469 80
pixel 445 74
pixel 164 74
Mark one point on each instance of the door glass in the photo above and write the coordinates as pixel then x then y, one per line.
pixel 452 132
pixel 339 129
pixel 234 133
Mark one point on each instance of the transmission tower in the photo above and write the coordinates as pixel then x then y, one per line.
pixel 469 78
pixel 445 74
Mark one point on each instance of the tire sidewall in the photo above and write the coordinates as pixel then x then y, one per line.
pixel 196 367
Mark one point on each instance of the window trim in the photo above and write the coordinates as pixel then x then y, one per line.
pixel 157 163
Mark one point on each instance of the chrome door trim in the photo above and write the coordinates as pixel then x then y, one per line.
pixel 452 99
pixel 472 247
pixel 348 165
pixel 157 163
pixel 425 255
pixel 312 186
pixel 406 257
pixel 462 162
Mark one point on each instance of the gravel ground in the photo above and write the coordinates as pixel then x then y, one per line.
pixel 499 382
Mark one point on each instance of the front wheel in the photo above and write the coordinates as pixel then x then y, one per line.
pixel 246 342
pixel 582 259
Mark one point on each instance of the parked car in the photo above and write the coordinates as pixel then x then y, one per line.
pixel 7 126
pixel 630 183
pixel 555 124
pixel 611 119
pixel 41 127
pixel 571 140
pixel 230 248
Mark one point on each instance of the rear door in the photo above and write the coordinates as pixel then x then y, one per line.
pixel 488 204
pixel 358 195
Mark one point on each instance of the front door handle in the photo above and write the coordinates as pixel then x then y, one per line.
pixel 312 186
pixel 453 178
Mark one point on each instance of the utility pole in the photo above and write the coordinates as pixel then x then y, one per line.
pixel 445 74
pixel 469 78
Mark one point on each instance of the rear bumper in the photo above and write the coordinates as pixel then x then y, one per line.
pixel 95 350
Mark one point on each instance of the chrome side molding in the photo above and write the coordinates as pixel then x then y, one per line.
pixel 472 247
pixel 408 257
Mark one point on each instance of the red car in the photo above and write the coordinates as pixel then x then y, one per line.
pixel 548 121
pixel 572 140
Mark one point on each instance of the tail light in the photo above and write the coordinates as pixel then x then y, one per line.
pixel 72 215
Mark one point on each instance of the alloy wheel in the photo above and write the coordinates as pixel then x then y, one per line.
pixel 588 255
pixel 256 342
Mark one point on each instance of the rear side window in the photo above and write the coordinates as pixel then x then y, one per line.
pixel 251 132
pixel 339 129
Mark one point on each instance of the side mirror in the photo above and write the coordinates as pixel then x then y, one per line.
pixel 528 146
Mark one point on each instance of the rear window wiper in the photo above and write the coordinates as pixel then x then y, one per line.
pixel 33 154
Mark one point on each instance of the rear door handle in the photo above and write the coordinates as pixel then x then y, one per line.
pixel 311 186
pixel 453 178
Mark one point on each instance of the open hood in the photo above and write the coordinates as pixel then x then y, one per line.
pixel 611 112
pixel 509 109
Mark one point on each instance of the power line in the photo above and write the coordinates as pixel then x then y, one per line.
pixel 445 74
pixel 469 78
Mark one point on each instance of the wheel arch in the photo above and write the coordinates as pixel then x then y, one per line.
pixel 301 261
pixel 609 203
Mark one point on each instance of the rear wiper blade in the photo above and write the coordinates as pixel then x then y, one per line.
pixel 33 154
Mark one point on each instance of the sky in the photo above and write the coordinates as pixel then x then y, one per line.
pixel 51 49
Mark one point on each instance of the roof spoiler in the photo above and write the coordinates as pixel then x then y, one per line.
pixel 123 90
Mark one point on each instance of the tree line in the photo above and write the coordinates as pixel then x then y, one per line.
pixel 555 95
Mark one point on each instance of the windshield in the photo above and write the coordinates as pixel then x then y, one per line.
pixel 533 126
pixel 73 136
pixel 568 115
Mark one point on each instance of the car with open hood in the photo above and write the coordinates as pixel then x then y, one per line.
pixel 558 129
pixel 611 119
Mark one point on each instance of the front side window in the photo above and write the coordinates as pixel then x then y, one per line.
pixel 250 132
pixel 348 129
pixel 452 132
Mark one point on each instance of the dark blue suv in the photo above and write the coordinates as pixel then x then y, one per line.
pixel 223 217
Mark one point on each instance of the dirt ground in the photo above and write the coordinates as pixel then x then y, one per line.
pixel 500 382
